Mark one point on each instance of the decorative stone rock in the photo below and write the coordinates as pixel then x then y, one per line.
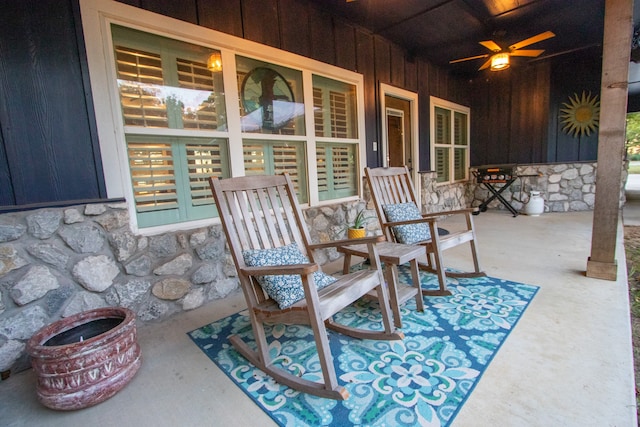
pixel 570 174
pixel 211 251
pixel 128 294
pixel 95 273
pixel 193 299
pixel 177 267
pixel 555 178
pixel 590 199
pixel 222 288
pixel 97 209
pixel 586 169
pixel 33 285
pixel 171 289
pixel 206 273
pixel 43 224
pixel 140 266
pixel 83 238
pixel 23 324
pixel 113 220
pixel 9 353
pixel 83 301
pixel 320 223
pixel 58 298
pixel 121 205
pixel 50 254
pixel 229 268
pixel 182 241
pixel 143 243
pixel 11 230
pixel 1 304
pixel 124 245
pixel 9 259
pixel 72 216
pixel 198 238
pixel 164 245
pixel 85 359
pixel 152 310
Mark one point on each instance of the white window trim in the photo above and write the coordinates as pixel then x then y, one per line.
pixel 442 103
pixel 98 15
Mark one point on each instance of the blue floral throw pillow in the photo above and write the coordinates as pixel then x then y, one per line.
pixel 285 289
pixel 409 233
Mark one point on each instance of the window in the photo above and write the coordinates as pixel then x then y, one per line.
pixel 165 84
pixel 335 119
pixel 450 140
pixel 179 103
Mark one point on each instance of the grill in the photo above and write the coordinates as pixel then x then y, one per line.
pixel 496 174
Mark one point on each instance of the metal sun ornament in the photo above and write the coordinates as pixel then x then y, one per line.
pixel 581 114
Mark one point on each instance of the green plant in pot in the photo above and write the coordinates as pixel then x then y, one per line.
pixel 356 229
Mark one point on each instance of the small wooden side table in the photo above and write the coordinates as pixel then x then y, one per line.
pixel 392 255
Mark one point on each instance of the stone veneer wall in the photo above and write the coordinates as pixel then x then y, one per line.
pixel 565 187
pixel 56 262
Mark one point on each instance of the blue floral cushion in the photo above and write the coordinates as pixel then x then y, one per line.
pixel 409 233
pixel 285 289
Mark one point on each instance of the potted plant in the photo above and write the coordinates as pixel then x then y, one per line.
pixel 356 229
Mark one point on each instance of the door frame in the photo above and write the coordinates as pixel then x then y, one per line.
pixel 412 98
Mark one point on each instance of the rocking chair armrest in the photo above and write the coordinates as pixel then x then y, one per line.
pixel 453 212
pixel 410 221
pixel 348 242
pixel 302 269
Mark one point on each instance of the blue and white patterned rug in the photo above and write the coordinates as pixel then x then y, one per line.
pixel 422 380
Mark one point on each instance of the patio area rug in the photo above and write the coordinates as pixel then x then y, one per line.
pixel 422 380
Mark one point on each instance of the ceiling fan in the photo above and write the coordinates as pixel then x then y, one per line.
pixel 499 60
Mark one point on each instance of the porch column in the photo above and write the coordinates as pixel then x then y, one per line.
pixel 618 27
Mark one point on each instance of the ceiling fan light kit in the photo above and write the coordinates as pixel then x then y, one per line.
pixel 499 61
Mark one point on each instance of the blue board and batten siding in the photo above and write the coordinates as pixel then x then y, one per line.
pixel 49 152
pixel 49 148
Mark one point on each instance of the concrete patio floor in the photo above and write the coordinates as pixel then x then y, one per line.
pixel 567 363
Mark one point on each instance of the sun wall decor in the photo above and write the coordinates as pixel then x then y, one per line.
pixel 581 114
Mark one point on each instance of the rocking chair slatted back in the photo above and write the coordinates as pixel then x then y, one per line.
pixel 246 210
pixel 389 189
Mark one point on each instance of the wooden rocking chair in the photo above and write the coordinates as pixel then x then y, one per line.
pixel 402 222
pixel 265 229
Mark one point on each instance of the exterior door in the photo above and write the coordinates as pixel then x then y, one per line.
pixel 395 138
pixel 398 144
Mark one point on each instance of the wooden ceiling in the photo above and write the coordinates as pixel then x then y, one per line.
pixel 444 30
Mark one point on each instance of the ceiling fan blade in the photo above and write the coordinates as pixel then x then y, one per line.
pixel 485 65
pixel 527 52
pixel 531 40
pixel 469 58
pixel 491 45
pixel 564 52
